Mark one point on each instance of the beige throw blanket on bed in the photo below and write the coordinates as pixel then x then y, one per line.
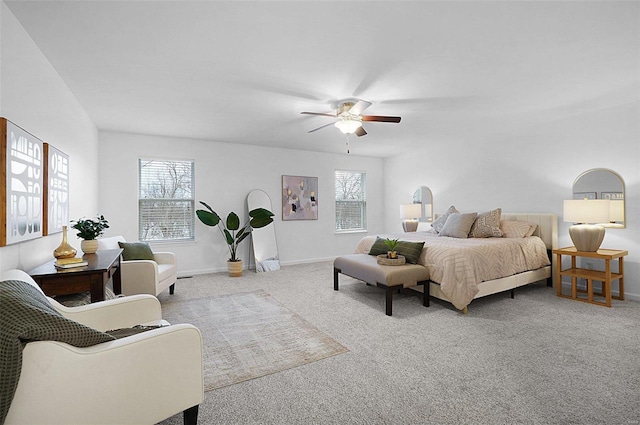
pixel 459 265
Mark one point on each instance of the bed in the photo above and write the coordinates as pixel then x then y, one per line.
pixel 462 270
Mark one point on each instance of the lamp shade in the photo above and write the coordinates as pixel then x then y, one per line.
pixel 616 211
pixel 348 126
pixel 410 211
pixel 586 236
pixel 586 211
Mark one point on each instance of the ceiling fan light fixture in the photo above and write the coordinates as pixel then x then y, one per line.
pixel 348 125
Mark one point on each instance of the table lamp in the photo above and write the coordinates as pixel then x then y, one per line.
pixel 410 213
pixel 586 235
pixel 616 211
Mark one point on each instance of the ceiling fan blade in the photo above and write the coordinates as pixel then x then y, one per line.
pixel 360 132
pixel 318 113
pixel 360 106
pixel 380 118
pixel 320 128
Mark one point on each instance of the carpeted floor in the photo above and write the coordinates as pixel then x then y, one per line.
pixel 248 335
pixel 535 359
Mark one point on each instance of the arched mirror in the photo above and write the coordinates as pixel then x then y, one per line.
pixel 423 196
pixel 601 183
pixel 265 248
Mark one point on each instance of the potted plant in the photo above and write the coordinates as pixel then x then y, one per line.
pixel 232 233
pixel 391 244
pixel 88 230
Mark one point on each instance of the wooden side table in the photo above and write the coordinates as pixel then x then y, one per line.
pixel 606 276
pixel 103 265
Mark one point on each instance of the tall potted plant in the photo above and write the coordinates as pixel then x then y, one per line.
pixel 89 230
pixel 231 231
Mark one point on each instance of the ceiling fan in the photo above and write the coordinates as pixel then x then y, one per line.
pixel 349 119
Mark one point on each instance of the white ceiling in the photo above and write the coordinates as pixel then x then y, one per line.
pixel 241 72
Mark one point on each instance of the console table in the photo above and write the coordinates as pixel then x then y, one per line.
pixel 606 276
pixel 103 265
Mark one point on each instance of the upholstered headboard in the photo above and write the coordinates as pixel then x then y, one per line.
pixel 547 226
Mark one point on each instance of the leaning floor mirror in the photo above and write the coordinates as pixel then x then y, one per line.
pixel 263 240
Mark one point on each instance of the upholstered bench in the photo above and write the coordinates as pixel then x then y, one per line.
pixel 366 268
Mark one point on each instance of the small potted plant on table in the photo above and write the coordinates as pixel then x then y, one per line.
pixel 89 230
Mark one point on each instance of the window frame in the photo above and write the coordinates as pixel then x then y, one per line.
pixel 362 202
pixel 188 229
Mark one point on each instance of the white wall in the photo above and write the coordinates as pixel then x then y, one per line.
pixel 35 98
pixel 533 170
pixel 225 174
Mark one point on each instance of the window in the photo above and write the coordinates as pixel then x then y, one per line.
pixel 166 200
pixel 351 205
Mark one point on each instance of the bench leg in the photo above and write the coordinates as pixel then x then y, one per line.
pixel 335 278
pixel 389 297
pixel 389 301
pixel 426 292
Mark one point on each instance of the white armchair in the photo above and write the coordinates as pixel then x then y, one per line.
pixel 126 381
pixel 145 276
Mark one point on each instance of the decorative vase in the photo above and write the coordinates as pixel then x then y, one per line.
pixel 64 250
pixel 234 268
pixel 89 246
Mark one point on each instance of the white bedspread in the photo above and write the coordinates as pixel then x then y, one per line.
pixel 459 265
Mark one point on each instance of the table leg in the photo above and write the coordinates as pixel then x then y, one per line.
pixel 97 285
pixel 590 289
pixel 607 276
pixel 621 280
pixel 117 279
pixel 558 276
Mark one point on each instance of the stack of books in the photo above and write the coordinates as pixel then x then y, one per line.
pixel 69 263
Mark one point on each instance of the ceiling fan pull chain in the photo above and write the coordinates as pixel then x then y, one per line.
pixel 348 144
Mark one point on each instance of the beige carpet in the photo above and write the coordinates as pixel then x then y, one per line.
pixel 250 334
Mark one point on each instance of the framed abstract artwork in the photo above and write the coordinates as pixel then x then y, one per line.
pixel 299 198
pixel 56 190
pixel 21 193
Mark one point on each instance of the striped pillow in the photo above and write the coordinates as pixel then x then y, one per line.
pixel 410 250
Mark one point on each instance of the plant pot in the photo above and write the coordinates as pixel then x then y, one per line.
pixel 89 246
pixel 392 254
pixel 234 268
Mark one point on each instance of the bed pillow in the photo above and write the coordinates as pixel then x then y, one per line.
pixel 136 251
pixel 438 224
pixel 487 225
pixel 379 247
pixel 410 250
pixel 458 225
pixel 514 229
pixel 533 227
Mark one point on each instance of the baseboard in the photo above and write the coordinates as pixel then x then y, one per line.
pixel 252 266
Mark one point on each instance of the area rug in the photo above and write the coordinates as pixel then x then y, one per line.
pixel 248 335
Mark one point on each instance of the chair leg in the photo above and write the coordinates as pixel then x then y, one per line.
pixel 335 278
pixel 172 288
pixel 191 415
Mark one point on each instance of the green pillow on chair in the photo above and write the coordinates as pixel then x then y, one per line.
pixel 136 251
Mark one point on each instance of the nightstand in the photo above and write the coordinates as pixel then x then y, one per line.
pixel 606 276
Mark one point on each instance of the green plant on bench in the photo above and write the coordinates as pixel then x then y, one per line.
pixel 391 244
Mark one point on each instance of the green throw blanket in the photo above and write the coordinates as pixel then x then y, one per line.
pixel 26 315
